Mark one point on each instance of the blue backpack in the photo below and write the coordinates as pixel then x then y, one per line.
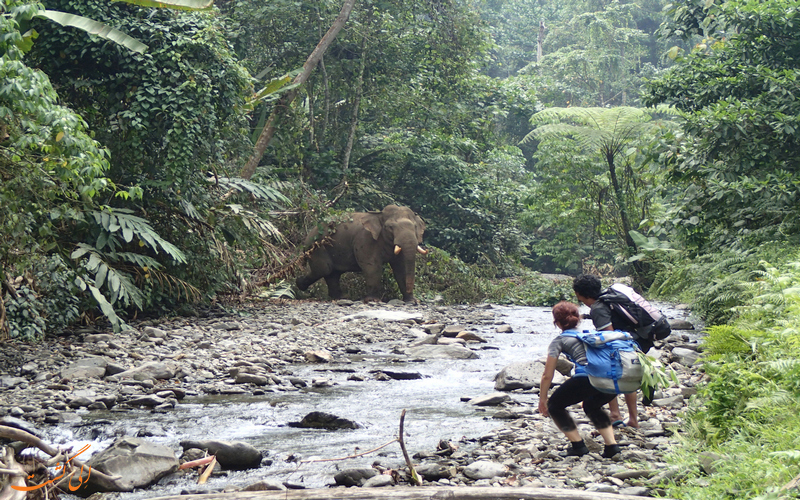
pixel 613 363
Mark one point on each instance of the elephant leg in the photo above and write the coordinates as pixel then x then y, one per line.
pixel 320 265
pixel 399 271
pixel 334 287
pixel 373 284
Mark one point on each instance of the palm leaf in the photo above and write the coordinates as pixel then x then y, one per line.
pixel 174 4
pixel 93 27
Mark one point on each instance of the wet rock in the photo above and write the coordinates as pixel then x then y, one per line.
pixel 680 324
pixel 319 356
pixel 251 378
pixel 322 420
pixel 153 332
pixel 433 471
pixel 440 351
pixel 523 375
pixel 494 399
pixel 138 463
pixel 265 485
pixel 231 455
pixel 386 316
pixel 354 477
pixel 471 337
pixel 504 329
pixel 393 375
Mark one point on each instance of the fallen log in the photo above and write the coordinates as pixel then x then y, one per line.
pixel 414 493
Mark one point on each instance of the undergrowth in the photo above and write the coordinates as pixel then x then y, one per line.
pixel 747 415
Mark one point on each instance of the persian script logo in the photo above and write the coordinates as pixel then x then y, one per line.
pixel 64 467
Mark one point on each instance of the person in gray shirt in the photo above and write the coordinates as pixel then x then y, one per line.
pixel 576 389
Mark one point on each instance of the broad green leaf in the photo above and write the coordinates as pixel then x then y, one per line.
pixel 173 4
pixel 95 28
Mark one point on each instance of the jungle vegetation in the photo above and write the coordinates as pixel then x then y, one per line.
pixel 646 138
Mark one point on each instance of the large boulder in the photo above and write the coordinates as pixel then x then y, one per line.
pixel 231 455
pixel 137 462
pixel 354 477
pixel 522 375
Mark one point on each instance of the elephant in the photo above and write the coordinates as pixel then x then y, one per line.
pixel 364 244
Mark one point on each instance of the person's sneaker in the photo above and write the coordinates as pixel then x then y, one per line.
pixel 610 450
pixel 577 449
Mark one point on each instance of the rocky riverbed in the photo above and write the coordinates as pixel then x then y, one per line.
pixel 157 364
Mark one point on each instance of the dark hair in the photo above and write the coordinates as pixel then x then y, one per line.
pixel 566 315
pixel 588 285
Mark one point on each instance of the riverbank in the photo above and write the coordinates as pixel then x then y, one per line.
pixel 64 381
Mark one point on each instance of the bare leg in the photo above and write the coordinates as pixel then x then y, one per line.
pixel 608 435
pixel 613 409
pixel 633 410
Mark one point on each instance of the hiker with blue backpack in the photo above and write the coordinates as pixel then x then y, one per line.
pixel 576 389
pixel 620 308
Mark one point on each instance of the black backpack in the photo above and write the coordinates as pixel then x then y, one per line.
pixel 647 321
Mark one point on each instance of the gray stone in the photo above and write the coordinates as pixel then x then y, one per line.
pixel 265 485
pixel 322 420
pixel 635 491
pixel 151 370
pixel 354 477
pixel 385 315
pixel 93 367
pixel 154 332
pixel 319 356
pixel 494 399
pixel 453 330
pixel 708 461
pixel 379 481
pixel 146 400
pixel 485 469
pixel 504 329
pixel 231 455
pixel 433 472
pixel 471 337
pixel 98 337
pixel 138 462
pixel 13 381
pixel 522 375
pixel 251 378
pixel 680 324
pixel 440 352
pixel 686 357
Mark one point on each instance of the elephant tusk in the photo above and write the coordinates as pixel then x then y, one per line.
pixel 422 250
pixel 397 249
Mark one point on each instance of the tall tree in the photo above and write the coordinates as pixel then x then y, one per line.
pixel 613 136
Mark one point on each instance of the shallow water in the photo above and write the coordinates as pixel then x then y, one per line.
pixel 434 411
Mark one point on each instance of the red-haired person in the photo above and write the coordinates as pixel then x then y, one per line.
pixel 576 389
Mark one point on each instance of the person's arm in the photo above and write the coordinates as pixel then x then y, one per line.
pixel 601 317
pixel 544 386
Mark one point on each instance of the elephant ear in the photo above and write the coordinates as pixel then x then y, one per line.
pixel 372 223
pixel 420 226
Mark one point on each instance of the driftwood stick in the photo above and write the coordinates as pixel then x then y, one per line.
pixel 196 463
pixel 351 456
pixel 792 484
pixel 17 479
pixel 28 438
pixel 209 469
pixel 415 480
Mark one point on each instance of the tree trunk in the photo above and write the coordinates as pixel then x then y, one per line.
pixel 354 119
pixel 269 128
pixel 539 40
pixel 620 197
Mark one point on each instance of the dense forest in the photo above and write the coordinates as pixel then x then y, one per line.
pixel 160 156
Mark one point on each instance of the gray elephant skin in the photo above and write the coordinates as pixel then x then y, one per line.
pixel 364 243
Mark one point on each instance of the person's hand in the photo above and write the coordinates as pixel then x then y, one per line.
pixel 543 408
pixel 586 316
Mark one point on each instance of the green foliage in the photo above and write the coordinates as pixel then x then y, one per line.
pixel 655 375
pixel 748 411
pixel 735 164
pixel 594 184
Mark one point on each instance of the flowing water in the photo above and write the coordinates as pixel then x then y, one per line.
pixel 434 404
